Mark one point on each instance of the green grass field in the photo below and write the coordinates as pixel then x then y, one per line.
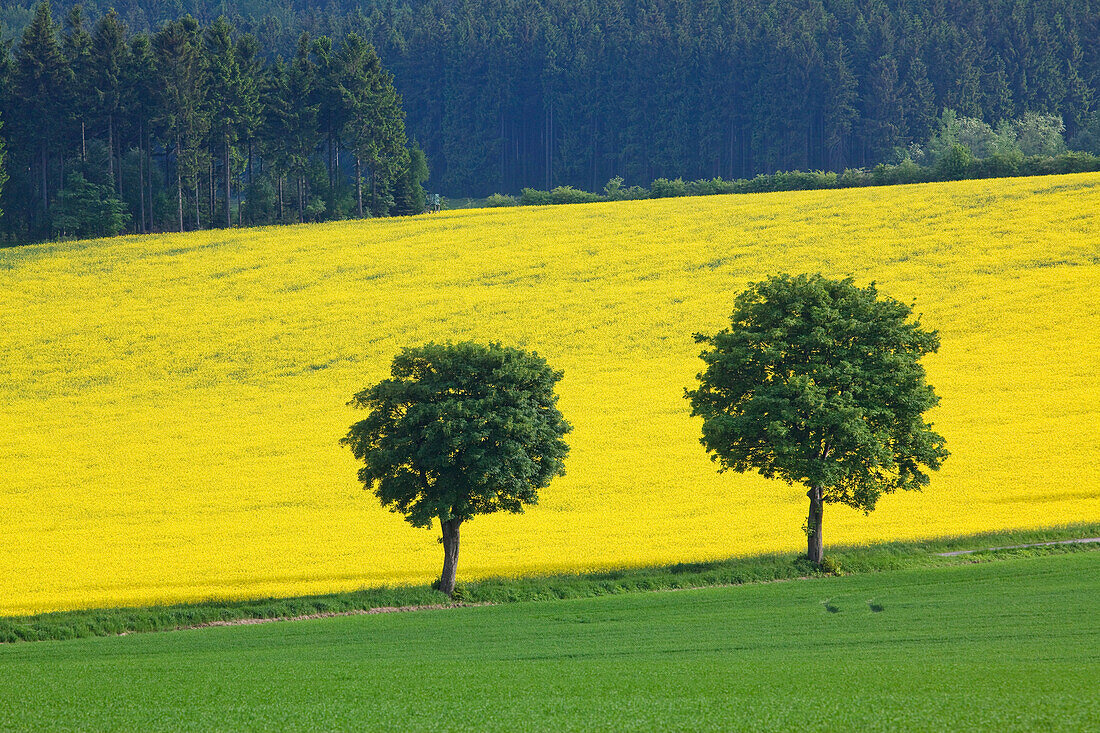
pixel 1007 645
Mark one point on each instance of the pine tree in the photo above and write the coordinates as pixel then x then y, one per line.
pixel 41 84
pixel 181 80
pixel 251 107
pixel 77 46
pixel 6 73
pixel 332 111
pixel 3 158
pixel 226 98
pixel 140 109
pixel 109 60
pixel 409 197
pixel 299 119
pixel 375 128
pixel 275 121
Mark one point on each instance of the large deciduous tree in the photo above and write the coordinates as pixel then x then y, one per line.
pixel 819 382
pixel 460 430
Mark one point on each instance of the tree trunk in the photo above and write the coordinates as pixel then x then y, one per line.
pixel 301 204
pixel 450 555
pixel 45 180
pixel 359 186
pixel 179 182
pixel 149 180
pixel 141 181
pixel 111 152
pixel 373 193
pixel 213 190
pixel 228 215
pixel 814 546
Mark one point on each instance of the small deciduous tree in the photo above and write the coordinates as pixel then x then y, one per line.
pixel 819 382
pixel 457 431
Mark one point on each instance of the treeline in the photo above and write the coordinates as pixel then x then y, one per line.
pixel 192 127
pixel 506 94
pixel 960 148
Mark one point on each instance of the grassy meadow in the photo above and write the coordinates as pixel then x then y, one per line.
pixel 1005 646
pixel 172 404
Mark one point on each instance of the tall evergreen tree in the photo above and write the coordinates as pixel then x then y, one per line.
pixel 375 127
pixel 109 61
pixel 332 111
pixel 81 100
pixel 296 114
pixel 181 79
pixel 41 84
pixel 251 105
pixel 140 108
pixel 227 98
pixel 3 159
pixel 273 142
pixel 6 72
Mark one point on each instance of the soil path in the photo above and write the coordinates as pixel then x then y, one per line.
pixel 328 614
pixel 1017 547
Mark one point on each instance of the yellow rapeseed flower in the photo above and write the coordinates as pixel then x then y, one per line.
pixel 172 404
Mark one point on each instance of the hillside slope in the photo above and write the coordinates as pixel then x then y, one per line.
pixel 173 403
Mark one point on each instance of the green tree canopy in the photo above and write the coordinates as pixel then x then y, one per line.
pixel 457 431
pixel 819 382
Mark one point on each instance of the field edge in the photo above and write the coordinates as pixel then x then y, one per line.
pixel 744 570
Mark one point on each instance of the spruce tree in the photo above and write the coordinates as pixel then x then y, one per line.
pixel 80 101
pixel 300 119
pixel 109 61
pixel 332 109
pixel 250 104
pixel 41 87
pixel 375 127
pixel 140 109
pixel 3 159
pixel 226 98
pixel 181 79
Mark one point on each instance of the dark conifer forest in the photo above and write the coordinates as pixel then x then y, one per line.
pixel 501 95
pixel 195 126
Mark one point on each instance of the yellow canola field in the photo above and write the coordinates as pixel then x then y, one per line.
pixel 172 404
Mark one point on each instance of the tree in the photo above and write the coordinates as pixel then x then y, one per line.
pixel 3 173
pixel 819 382
pixel 230 93
pixel 181 78
pixel 81 99
pixel 87 209
pixel 109 56
pixel 458 431
pixel 1040 134
pixel 140 84
pixel 375 122
pixel 41 84
pixel 409 195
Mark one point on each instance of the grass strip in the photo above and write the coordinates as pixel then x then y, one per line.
pixel 846 560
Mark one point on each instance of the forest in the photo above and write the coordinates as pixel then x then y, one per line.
pixel 192 127
pixel 502 95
